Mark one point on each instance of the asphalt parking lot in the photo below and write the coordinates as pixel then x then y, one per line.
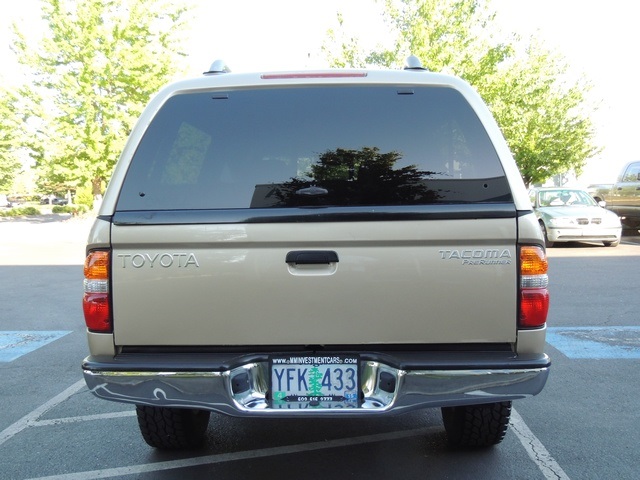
pixel 584 425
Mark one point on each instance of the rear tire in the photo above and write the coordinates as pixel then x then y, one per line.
pixel 474 426
pixel 172 428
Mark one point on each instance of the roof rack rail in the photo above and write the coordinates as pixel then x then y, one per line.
pixel 218 67
pixel 413 63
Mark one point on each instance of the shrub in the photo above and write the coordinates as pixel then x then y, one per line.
pixel 72 209
pixel 19 212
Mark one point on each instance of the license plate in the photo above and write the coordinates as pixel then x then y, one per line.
pixel 312 381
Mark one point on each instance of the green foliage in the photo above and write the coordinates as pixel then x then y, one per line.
pixel 544 118
pixel 96 67
pixel 9 139
pixel 341 50
pixel 444 34
pixel 84 197
pixel 19 212
pixel 72 209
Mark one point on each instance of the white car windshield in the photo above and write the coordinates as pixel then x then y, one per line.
pixel 563 197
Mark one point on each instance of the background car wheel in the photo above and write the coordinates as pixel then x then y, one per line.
pixel 476 425
pixel 172 428
pixel 547 243
pixel 612 244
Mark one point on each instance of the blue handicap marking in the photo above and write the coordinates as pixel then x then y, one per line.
pixel 596 342
pixel 17 343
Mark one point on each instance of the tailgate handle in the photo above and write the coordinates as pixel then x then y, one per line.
pixel 310 257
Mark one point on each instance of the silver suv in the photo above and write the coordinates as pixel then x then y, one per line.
pixel 316 243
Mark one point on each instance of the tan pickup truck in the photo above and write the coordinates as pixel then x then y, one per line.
pixel 316 243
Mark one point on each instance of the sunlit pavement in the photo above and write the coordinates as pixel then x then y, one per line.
pixel 44 240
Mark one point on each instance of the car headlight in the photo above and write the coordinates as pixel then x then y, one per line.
pixel 562 222
pixel 611 220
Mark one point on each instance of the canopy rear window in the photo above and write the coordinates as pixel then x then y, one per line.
pixel 330 146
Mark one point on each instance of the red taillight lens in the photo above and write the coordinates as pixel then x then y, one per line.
pixel 534 295
pixel 295 76
pixel 534 306
pixel 97 312
pixel 96 303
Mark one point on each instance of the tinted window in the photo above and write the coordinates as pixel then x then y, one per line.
pixel 632 173
pixel 329 146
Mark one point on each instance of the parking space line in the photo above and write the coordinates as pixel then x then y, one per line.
pixel 247 455
pixel 24 422
pixel 83 418
pixel 536 450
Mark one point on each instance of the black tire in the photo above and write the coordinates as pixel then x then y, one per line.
pixel 612 244
pixel 172 428
pixel 476 425
pixel 547 243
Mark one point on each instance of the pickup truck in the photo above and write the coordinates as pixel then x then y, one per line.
pixel 623 197
pixel 316 243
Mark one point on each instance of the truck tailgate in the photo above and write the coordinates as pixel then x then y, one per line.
pixel 403 282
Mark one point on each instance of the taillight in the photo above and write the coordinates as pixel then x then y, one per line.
pixel 299 75
pixel 534 294
pixel 96 303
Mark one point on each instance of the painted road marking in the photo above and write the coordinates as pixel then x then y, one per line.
pixel 246 455
pixel 596 342
pixel 535 449
pixel 14 344
pixel 81 418
pixel 23 423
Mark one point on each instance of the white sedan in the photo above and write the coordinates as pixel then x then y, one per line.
pixel 572 215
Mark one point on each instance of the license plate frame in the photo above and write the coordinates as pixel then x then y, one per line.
pixel 314 381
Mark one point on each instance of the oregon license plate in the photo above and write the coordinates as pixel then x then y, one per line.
pixel 313 381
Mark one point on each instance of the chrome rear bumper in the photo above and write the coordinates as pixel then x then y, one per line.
pixel 243 390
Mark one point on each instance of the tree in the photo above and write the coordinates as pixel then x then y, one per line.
pixel 97 65
pixel 544 119
pixel 315 381
pixel 357 177
pixel 9 144
pixel 543 116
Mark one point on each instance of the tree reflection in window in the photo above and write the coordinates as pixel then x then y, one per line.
pixel 346 177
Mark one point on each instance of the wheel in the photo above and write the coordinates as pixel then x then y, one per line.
pixel 172 428
pixel 476 425
pixel 612 244
pixel 547 243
